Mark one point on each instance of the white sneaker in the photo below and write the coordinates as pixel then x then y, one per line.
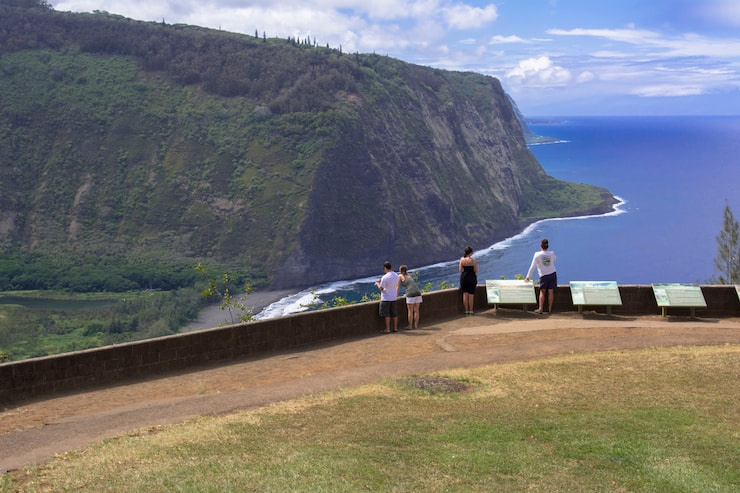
pixel 538 311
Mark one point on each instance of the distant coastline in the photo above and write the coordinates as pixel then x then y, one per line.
pixel 532 138
pixel 543 140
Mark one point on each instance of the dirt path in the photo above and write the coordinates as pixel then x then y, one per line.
pixel 33 432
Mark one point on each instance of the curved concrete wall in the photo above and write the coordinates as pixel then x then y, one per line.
pixel 41 377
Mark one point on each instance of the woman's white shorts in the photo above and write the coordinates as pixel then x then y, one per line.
pixel 413 300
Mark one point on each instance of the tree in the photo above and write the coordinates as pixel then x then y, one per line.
pixel 727 260
pixel 222 290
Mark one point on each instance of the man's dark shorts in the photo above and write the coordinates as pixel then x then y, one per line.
pixel 388 309
pixel 550 281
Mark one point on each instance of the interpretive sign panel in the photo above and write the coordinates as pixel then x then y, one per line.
pixel 603 293
pixel 688 295
pixel 679 295
pixel 510 292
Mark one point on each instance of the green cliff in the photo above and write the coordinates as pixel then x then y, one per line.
pixel 148 142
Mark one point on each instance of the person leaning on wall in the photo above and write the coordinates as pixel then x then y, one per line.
pixel 413 296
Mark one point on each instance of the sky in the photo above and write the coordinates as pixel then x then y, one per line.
pixel 554 57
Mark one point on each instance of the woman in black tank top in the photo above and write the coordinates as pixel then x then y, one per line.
pixel 468 268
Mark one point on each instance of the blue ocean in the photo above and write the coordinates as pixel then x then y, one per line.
pixel 674 176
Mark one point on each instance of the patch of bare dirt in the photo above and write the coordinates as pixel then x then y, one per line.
pixel 434 385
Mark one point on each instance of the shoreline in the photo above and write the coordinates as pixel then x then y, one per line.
pixel 212 316
pixel 337 286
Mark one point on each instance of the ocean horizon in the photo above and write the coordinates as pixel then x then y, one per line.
pixel 673 176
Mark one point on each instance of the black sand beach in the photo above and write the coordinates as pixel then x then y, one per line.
pixel 213 316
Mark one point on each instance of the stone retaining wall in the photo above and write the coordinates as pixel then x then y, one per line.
pixel 69 372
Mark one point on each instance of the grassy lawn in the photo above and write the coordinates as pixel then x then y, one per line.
pixel 650 420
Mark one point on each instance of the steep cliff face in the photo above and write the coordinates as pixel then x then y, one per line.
pixel 304 164
pixel 427 168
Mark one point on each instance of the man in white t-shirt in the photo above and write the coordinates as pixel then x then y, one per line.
pixel 388 286
pixel 544 260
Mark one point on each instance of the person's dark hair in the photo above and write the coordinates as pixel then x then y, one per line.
pixel 403 269
pixel 468 250
pixel 545 244
pixel 387 265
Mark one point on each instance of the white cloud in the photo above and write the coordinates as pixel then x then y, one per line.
pixel 686 45
pixel 379 38
pixel 463 16
pixel 585 76
pixel 498 39
pixel 668 90
pixel 611 54
pixel 632 36
pixel 539 71
pixel 695 45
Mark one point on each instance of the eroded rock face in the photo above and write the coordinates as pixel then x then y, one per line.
pixel 414 179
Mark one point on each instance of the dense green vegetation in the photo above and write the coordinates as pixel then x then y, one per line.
pixel 223 64
pixel 89 273
pixel 27 333
pixel 554 198
pixel 201 145
pixel 140 301
pixel 168 93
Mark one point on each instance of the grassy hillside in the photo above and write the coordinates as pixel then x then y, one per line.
pixel 93 180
